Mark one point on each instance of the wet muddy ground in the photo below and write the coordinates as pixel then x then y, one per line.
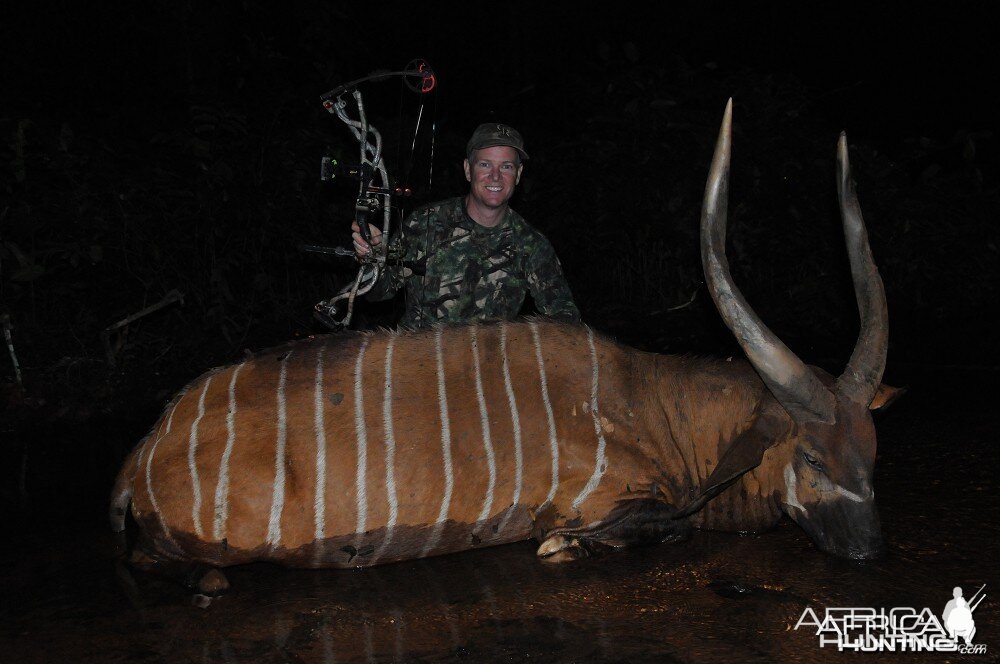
pixel 718 597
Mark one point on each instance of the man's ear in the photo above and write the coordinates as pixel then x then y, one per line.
pixel 468 170
pixel 517 180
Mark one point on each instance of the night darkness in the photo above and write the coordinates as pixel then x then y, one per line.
pixel 153 147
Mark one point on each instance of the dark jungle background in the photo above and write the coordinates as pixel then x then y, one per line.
pixel 161 146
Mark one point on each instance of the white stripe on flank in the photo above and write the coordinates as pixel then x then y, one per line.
pixel 222 488
pixel 600 461
pixel 319 427
pixel 362 437
pixel 149 481
pixel 553 441
pixel 485 422
pixel 278 494
pixel 449 479
pixel 149 489
pixel 515 419
pixel 390 447
pixel 170 418
pixel 192 464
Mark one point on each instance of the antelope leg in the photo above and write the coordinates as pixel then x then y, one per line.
pixel 634 522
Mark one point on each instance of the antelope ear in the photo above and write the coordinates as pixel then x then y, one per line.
pixel 745 453
pixel 885 395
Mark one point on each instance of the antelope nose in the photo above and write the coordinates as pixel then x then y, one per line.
pixel 870 545
pixel 867 553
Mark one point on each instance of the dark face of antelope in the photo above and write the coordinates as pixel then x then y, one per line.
pixel 827 483
pixel 826 464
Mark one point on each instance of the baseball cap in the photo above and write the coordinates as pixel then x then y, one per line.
pixel 490 134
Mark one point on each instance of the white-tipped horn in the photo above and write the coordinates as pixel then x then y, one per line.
pixel 864 370
pixel 793 384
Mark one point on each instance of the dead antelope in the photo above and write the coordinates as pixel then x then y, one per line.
pixel 357 449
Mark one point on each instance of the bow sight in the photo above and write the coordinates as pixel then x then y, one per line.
pixel 333 170
pixel 375 188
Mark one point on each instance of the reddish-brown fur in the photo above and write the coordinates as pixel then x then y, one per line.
pixel 665 420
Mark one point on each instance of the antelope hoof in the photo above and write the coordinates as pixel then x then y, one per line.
pixel 213 583
pixel 209 587
pixel 201 601
pixel 205 580
pixel 563 549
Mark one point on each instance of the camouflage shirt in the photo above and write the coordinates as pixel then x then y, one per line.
pixel 456 271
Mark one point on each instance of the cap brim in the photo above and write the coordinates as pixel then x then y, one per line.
pixel 493 144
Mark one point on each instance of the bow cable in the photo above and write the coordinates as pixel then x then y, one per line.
pixel 376 189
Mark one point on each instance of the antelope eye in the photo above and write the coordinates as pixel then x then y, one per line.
pixel 812 461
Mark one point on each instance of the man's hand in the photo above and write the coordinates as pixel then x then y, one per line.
pixel 361 248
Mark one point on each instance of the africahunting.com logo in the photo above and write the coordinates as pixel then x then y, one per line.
pixel 900 629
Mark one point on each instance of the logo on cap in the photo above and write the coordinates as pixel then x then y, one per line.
pixel 490 134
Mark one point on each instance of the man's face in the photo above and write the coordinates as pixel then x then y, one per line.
pixel 493 174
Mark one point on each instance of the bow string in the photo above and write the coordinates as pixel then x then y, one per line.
pixel 376 188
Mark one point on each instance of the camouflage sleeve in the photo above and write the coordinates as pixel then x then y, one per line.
pixel 391 279
pixel 547 283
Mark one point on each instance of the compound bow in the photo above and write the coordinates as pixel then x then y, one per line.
pixel 375 190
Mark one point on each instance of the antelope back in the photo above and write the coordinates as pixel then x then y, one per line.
pixel 355 449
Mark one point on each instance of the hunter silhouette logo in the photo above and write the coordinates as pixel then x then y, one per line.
pixel 899 629
pixel 957 615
